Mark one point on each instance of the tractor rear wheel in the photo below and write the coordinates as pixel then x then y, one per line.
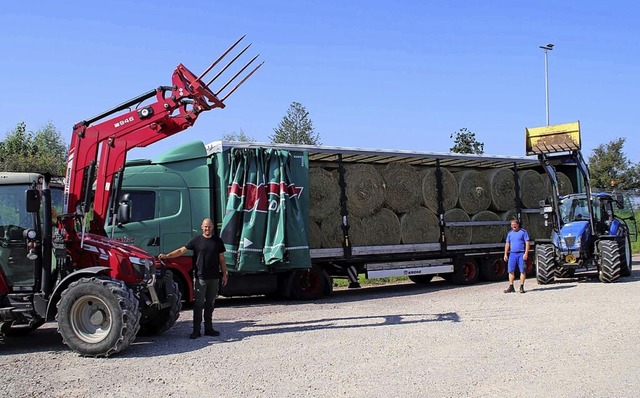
pixel 98 316
pixel 625 250
pixel 155 321
pixel 610 262
pixel 545 263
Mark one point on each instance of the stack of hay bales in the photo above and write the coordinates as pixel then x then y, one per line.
pixel 398 204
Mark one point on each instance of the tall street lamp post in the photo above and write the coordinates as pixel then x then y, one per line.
pixel 546 49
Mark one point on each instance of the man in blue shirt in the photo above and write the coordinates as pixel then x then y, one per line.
pixel 516 252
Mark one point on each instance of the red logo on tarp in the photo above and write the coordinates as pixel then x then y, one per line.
pixel 259 197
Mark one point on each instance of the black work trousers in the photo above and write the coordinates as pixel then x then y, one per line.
pixel 205 292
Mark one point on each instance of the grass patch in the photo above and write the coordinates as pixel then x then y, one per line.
pixel 371 282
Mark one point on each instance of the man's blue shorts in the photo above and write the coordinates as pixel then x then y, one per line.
pixel 516 259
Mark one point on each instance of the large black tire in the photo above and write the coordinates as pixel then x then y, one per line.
pixel 420 279
pixel 625 250
pixel 494 269
pixel 545 263
pixel 309 284
pixel 155 321
pixel 610 262
pixel 98 316
pixel 465 272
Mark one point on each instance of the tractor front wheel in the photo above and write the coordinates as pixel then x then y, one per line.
pixel 610 262
pixel 98 316
pixel 155 321
pixel 545 263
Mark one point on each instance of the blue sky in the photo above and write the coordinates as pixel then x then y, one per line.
pixel 374 74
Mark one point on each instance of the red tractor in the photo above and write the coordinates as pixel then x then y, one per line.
pixel 56 261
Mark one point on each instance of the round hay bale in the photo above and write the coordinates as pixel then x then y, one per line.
pixel 502 189
pixel 565 187
pixel 324 193
pixel 564 183
pixel 383 228
pixel 512 215
pixel 403 188
pixel 364 188
pixel 332 234
pixel 457 235
pixel 536 227
pixel 419 225
pixel 487 233
pixel 533 188
pixel 430 191
pixel 315 235
pixel 473 191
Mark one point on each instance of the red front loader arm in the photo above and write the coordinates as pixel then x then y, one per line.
pixel 176 108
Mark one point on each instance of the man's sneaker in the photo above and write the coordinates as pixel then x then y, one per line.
pixel 194 335
pixel 510 289
pixel 211 332
pixel 521 289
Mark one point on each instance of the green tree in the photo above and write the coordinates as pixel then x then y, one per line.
pixel 464 141
pixel 241 137
pixel 38 152
pixel 295 128
pixel 608 164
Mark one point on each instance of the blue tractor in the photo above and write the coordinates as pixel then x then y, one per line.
pixel 587 232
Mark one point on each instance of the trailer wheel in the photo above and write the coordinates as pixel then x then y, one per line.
pixel 494 269
pixel 610 262
pixel 465 272
pixel 156 321
pixel 420 279
pixel 625 249
pixel 98 317
pixel 309 284
pixel 545 263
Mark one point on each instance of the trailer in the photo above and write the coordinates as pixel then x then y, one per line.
pixel 295 217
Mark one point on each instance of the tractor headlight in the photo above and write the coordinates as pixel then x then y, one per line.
pixel 142 267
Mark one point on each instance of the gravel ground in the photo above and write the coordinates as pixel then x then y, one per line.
pixel 576 338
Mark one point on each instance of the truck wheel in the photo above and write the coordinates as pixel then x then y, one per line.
pixel 309 284
pixel 545 264
pixel 626 260
pixel 420 279
pixel 98 317
pixel 465 272
pixel 494 269
pixel 610 262
pixel 154 320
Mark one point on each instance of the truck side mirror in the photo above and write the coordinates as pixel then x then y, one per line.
pixel 124 210
pixel 32 200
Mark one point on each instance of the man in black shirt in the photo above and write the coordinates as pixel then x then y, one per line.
pixel 209 268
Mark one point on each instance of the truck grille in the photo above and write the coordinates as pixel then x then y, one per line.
pixel 570 240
